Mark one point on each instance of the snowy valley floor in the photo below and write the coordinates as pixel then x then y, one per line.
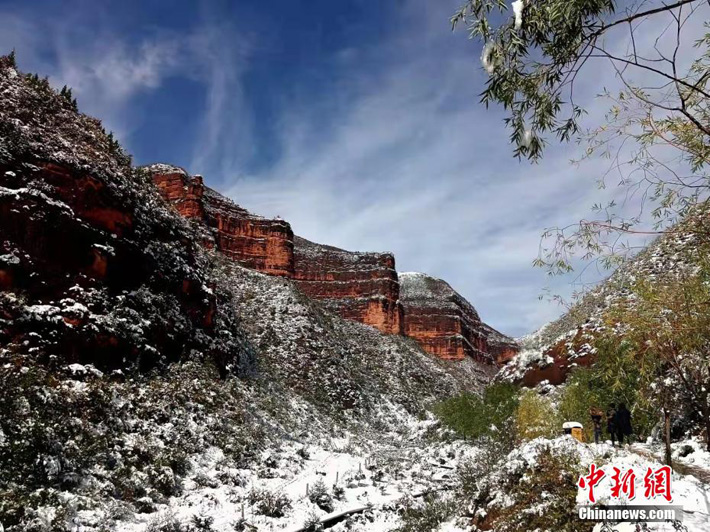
pixel 374 477
pixel 365 483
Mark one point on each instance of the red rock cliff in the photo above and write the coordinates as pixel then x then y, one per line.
pixel 357 286
pixel 255 242
pixel 445 324
pixel 501 347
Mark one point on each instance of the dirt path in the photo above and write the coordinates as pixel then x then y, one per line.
pixel 700 473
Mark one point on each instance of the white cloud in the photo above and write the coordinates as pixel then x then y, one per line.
pixel 221 55
pixel 114 71
pixel 411 162
pixel 397 155
pixel 105 71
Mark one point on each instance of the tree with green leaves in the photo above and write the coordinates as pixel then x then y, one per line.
pixel 488 416
pixel 656 135
pixel 668 325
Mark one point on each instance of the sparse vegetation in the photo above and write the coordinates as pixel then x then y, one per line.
pixel 269 503
pixel 426 513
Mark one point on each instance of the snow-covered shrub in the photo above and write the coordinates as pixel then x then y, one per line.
pixel 318 494
pixel 166 522
pixel 269 503
pixel 532 488
pixel 312 523
pixel 200 523
pixel 303 453
pixel 240 525
pixel 426 513
pixel 338 493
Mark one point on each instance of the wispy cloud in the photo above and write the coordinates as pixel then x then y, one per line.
pixel 115 71
pixel 221 54
pixel 394 153
pixel 406 159
pixel 108 75
pixel 105 70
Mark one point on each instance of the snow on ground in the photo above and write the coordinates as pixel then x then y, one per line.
pixel 691 452
pixel 372 473
pixel 688 492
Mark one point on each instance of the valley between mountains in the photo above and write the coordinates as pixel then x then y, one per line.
pixel 172 362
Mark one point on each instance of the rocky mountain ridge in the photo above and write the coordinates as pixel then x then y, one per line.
pixel 446 324
pixel 141 339
pixel 360 286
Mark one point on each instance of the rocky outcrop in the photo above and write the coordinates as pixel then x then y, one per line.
pixel 501 347
pixel 93 267
pixel 254 242
pixel 359 286
pixel 447 325
pixel 184 192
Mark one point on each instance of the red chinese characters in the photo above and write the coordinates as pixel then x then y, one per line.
pixel 625 483
pixel 658 483
pixel 592 479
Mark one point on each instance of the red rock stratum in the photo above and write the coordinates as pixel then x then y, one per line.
pixel 359 286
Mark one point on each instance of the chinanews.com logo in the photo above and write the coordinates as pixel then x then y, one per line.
pixel 626 485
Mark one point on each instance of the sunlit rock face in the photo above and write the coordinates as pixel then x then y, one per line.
pixel 357 286
pixel 258 243
pixel 184 192
pixel 447 325
pixel 254 242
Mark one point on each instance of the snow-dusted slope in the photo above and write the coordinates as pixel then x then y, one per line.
pixel 145 375
pixel 558 346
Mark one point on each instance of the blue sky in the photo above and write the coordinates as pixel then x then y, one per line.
pixel 357 121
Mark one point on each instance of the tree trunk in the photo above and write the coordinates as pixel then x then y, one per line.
pixel 707 430
pixel 667 435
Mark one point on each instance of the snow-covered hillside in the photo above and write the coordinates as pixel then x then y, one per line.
pixel 568 341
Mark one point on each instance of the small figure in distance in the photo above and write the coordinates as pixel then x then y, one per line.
pixel 611 423
pixel 596 415
pixel 623 424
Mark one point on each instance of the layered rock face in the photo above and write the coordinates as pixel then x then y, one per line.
pixel 501 347
pixel 93 267
pixel 185 193
pixel 444 323
pixel 252 241
pixel 359 286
